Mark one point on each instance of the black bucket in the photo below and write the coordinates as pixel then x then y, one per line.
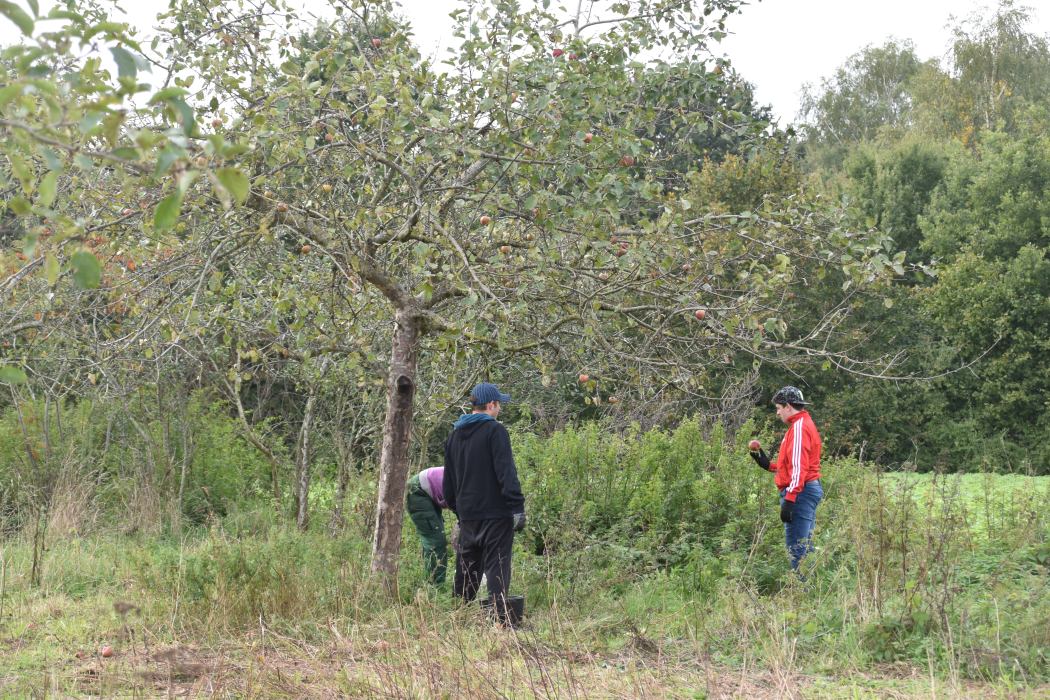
pixel 515 610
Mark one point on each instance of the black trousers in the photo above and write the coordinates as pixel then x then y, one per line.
pixel 484 548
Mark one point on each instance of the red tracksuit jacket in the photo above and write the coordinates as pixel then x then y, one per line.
pixel 799 458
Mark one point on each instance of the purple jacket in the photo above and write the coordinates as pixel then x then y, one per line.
pixel 432 481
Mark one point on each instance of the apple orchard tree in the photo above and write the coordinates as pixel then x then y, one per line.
pixel 514 201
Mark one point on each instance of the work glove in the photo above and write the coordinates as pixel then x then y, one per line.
pixel 787 511
pixel 519 521
pixel 761 459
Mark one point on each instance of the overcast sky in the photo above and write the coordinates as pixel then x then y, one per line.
pixel 778 45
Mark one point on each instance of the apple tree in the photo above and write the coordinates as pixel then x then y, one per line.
pixel 521 204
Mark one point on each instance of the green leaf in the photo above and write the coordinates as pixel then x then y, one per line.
pixel 167 94
pixel 186 115
pixel 167 212
pixel 47 190
pixel 109 28
pixel 17 15
pixel 87 273
pixel 9 93
pixel 51 269
pixel 19 205
pixel 9 374
pixel 167 158
pixel 125 62
pixel 235 182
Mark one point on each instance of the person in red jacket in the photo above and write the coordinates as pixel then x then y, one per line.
pixel 797 472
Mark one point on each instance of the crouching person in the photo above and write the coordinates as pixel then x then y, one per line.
pixel 424 500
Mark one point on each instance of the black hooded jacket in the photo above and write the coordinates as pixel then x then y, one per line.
pixel 481 481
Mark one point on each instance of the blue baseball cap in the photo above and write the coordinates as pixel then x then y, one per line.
pixel 484 393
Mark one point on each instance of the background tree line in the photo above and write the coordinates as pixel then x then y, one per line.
pixel 950 160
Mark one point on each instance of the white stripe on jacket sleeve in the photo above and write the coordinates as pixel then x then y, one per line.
pixel 796 455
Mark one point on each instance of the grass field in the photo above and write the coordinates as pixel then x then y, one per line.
pixel 246 608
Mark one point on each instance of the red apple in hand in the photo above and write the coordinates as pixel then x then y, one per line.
pixel 754 446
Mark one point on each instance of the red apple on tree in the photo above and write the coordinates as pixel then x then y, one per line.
pixel 376 42
pixel 627 161
pixel 700 314
pixel 588 137
pixel 584 379
pixel 557 53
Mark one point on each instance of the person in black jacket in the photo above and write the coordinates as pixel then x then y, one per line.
pixel 482 489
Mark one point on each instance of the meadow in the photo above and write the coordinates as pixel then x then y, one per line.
pixel 653 568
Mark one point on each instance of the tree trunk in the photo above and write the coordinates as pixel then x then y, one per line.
pixel 393 461
pixel 302 516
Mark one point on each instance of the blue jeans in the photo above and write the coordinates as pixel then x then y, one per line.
pixel 798 533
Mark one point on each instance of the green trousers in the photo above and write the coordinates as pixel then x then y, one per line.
pixel 426 516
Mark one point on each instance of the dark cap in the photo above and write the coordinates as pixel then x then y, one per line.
pixel 789 395
pixel 484 393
